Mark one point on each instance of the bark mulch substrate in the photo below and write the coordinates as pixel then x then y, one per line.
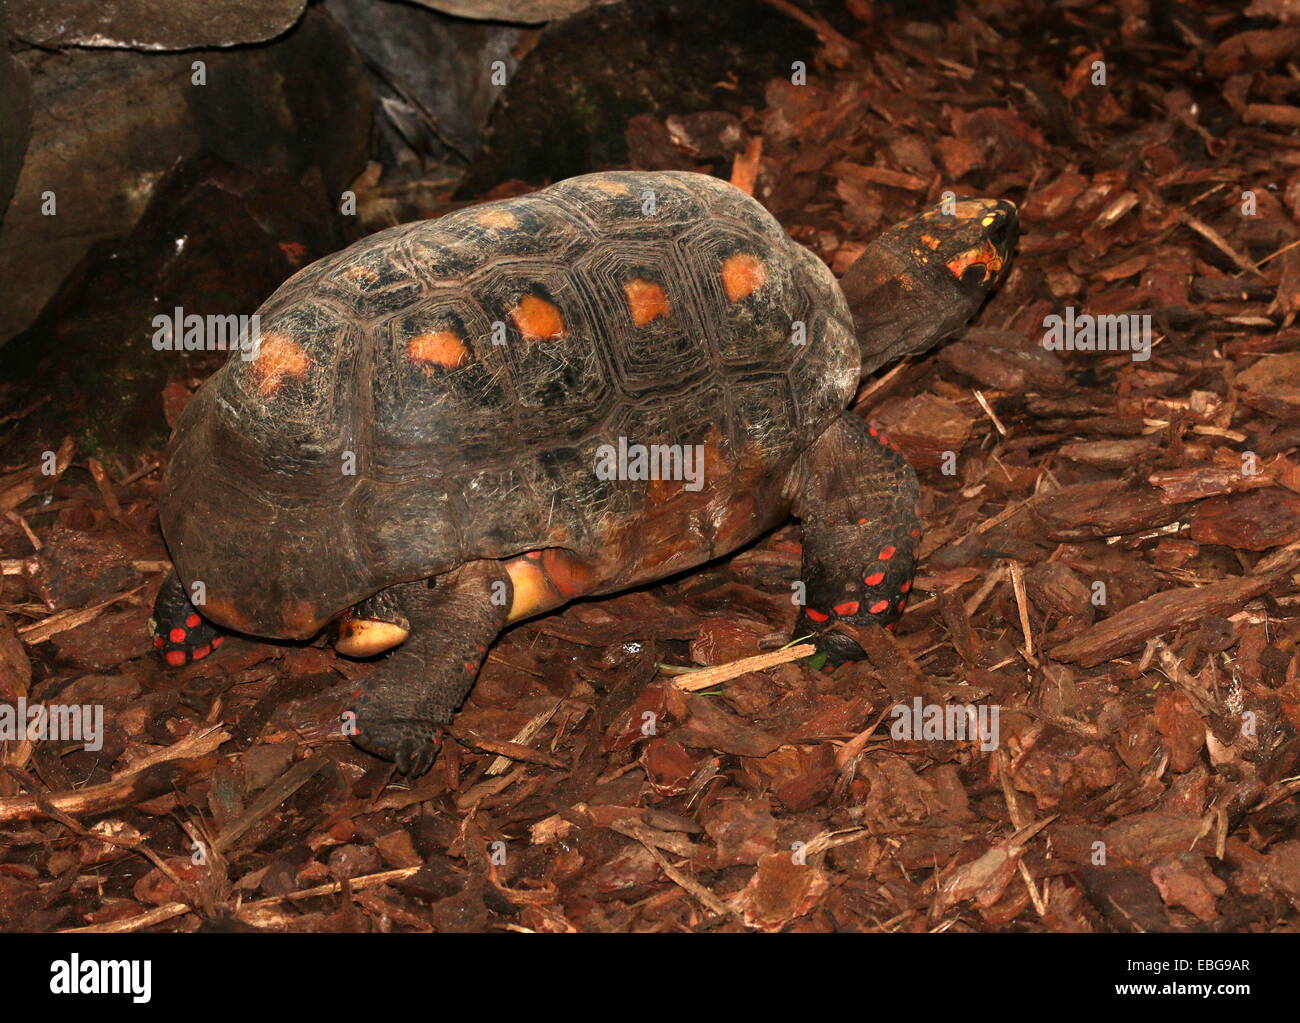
pixel 1111 563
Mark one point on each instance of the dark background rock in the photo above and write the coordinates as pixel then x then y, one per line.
pixel 147 24
pixel 107 125
pixel 15 121
pixel 528 12
pixel 216 239
pixel 431 77
pixel 565 110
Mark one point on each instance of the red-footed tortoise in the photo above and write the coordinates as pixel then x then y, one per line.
pixel 448 427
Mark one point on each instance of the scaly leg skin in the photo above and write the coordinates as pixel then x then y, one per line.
pixel 402 709
pixel 180 633
pixel 856 497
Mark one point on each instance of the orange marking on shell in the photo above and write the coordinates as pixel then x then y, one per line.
pixel 816 616
pixel 175 657
pixel 849 607
pixel 887 552
pixel 610 187
pixel 226 612
pixel 874 579
pixel 538 319
pixel 569 575
pixel 879 607
pixel 907 585
pixel 495 216
pixel 299 620
pixel 930 240
pixel 359 273
pixel 278 356
pixel 742 275
pixel 646 300
pixel 438 348
pixel 202 652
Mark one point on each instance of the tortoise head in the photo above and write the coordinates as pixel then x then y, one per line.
pixel 927 276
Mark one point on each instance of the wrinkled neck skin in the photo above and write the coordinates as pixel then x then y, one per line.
pixel 900 307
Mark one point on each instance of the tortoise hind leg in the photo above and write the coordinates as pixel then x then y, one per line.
pixel 856 497
pixel 403 708
pixel 180 633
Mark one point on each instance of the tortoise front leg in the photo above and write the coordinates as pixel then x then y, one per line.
pixel 402 711
pixel 856 498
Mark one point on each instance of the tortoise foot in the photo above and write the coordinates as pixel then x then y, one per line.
pixel 180 633
pixel 412 743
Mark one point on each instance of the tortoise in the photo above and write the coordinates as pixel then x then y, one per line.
pixel 459 423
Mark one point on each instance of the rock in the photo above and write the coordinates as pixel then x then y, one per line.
pixel 527 12
pixel 215 240
pixel 430 74
pixel 146 25
pixel 15 122
pixel 566 109
pixel 108 125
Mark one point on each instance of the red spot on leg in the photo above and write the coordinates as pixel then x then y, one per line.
pixel 158 641
pixel 849 607
pixel 177 635
pixel 175 658
pixel 907 585
pixel 874 579
pixel 887 553
pixel 879 607
pixel 816 616
pixel 192 622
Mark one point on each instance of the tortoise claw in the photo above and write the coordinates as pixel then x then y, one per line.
pixel 411 743
pixel 414 759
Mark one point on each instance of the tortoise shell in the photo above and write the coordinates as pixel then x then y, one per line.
pixel 442 392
